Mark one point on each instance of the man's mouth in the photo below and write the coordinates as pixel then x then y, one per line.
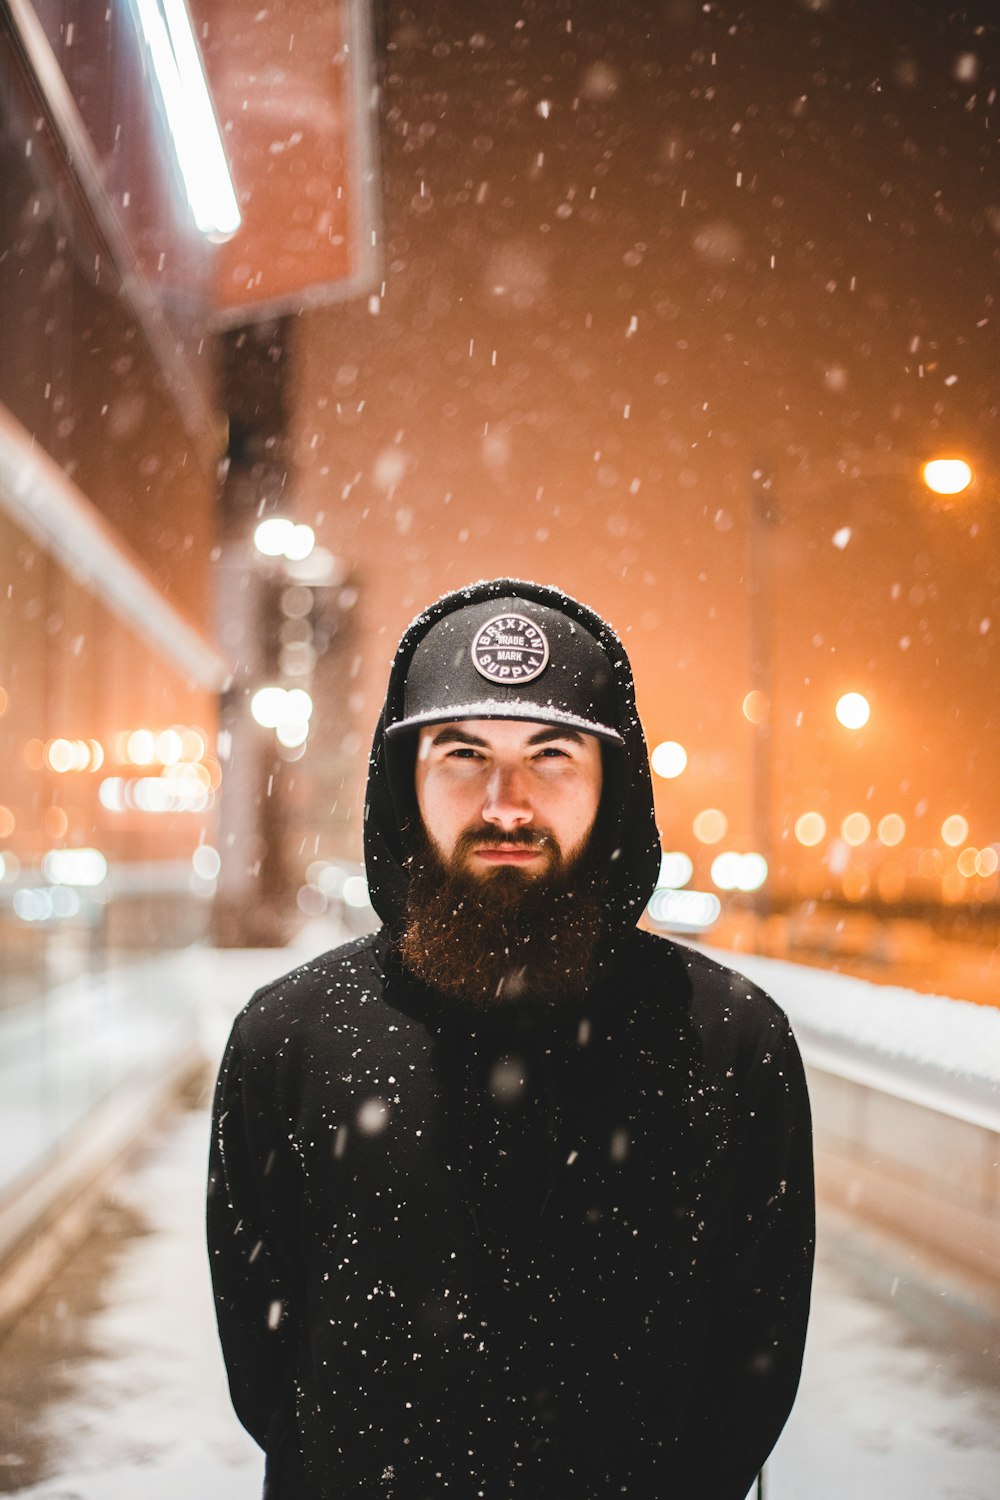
pixel 507 854
pixel 523 849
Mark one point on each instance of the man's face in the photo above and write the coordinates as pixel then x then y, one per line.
pixel 501 794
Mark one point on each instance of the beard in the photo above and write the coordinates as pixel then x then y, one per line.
pixel 506 937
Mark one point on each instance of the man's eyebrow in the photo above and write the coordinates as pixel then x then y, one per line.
pixel 557 732
pixel 452 736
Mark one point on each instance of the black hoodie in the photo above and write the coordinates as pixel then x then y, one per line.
pixel 554 1255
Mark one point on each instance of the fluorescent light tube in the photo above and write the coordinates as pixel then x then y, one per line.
pixel 194 130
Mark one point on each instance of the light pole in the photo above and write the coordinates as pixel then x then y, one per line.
pixel 945 475
pixel 757 703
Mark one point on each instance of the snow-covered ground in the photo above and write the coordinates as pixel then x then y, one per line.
pixel 117 1392
pixel 952 1035
pixel 940 1052
pixel 113 1387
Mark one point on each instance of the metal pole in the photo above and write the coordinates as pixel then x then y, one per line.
pixel 760 608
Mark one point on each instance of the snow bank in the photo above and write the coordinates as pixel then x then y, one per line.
pixel 911 1044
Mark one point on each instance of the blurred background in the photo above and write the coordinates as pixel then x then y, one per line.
pixel 315 311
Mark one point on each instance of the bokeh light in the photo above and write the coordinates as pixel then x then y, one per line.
pixel 279 537
pixel 739 872
pixel 753 871
pixel 267 705
pixel 206 862
pixel 669 759
pixel 298 706
pixel 676 870
pixel 947 476
pixel 75 867
pixel 355 892
pixel 891 830
pixel 810 829
pixel 853 710
pixel 684 911
pixel 169 747
pixel 140 747
pixel 193 745
pixel 855 884
pixel 296 602
pixel 855 829
pixel 710 826
pixel 292 734
pixel 955 830
pixel 755 706
pixel 328 877
pixel 61 756
pixel 311 900
pixel 300 544
pixel 273 535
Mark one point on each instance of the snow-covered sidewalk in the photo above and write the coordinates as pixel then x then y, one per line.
pixel 116 1391
pixel 112 1386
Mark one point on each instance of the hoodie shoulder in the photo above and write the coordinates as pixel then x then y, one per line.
pixel 728 1009
pixel 310 994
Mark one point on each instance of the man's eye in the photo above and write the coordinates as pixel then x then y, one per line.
pixel 463 752
pixel 552 752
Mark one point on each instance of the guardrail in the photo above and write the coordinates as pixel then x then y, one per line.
pixel 905 1091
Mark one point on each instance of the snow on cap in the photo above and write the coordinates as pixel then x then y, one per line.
pixel 510 658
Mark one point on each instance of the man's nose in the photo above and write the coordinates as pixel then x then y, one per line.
pixel 507 805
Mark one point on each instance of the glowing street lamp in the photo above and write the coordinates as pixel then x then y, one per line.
pixel 853 710
pixel 947 476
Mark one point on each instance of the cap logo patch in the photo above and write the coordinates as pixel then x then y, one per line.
pixel 510 649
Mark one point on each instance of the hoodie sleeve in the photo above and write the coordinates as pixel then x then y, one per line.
pixel 250 1201
pixel 753 1353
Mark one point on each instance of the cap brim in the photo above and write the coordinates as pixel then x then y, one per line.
pixel 535 712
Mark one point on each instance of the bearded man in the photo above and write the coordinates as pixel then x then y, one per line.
pixel 511 1198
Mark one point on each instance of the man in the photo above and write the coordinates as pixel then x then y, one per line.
pixel 511 1198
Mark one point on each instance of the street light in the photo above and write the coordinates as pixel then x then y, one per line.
pixel 853 710
pixel 947 476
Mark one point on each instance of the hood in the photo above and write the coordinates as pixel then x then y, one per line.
pixel 625 830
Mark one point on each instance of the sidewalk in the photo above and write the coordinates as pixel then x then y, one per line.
pixel 112 1388
pixel 111 1383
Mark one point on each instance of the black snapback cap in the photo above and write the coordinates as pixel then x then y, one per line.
pixel 510 658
